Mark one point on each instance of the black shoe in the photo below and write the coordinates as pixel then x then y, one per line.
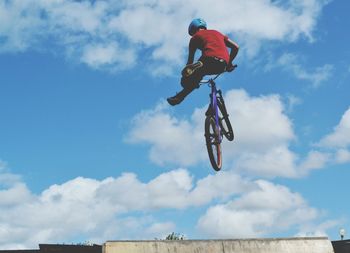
pixel 174 100
pixel 190 68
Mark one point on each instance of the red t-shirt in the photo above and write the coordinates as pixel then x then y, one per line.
pixel 212 44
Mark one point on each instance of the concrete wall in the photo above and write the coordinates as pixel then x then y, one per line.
pixel 288 245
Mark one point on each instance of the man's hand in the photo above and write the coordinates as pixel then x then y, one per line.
pixel 230 67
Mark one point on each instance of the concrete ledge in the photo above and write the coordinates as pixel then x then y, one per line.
pixel 279 245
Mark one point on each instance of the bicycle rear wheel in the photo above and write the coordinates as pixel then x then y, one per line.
pixel 224 121
pixel 212 138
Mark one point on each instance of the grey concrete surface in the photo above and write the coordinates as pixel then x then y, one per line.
pixel 276 245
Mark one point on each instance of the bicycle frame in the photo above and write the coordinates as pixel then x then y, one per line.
pixel 213 102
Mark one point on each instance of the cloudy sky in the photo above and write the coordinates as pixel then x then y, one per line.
pixel 90 150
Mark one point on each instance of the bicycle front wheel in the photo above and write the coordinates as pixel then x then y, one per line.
pixel 212 138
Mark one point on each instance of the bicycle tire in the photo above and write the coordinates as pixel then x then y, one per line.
pixel 224 121
pixel 212 139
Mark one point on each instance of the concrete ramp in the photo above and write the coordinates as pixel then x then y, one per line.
pixel 283 245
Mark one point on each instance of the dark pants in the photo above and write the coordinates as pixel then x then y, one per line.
pixel 211 66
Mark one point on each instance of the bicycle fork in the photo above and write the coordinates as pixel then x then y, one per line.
pixel 216 112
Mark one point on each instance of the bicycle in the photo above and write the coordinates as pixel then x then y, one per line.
pixel 217 124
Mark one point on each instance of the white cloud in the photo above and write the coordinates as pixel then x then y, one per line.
pixel 293 101
pixel 20 25
pixel 340 137
pixel 176 186
pixel 264 135
pixel 268 209
pixel 7 178
pixel 158 26
pixel 273 162
pixel 261 146
pixel 2 165
pixel 293 63
pixel 342 156
pixel 14 195
pixel 99 56
pixel 252 118
pixel 160 230
pixel 315 160
pixel 172 140
pixel 317 230
pixel 111 208
pixel 337 142
pixel 127 208
pixel 73 16
pixel 100 210
pixel 222 185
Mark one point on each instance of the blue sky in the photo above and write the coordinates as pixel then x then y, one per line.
pixel 90 150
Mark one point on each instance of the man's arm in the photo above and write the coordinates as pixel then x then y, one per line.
pixel 191 51
pixel 234 51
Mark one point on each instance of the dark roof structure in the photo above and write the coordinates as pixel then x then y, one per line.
pixel 342 246
pixel 60 248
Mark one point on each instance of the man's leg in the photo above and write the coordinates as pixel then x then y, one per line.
pixel 189 83
pixel 179 97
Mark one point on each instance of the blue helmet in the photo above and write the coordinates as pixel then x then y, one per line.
pixel 195 25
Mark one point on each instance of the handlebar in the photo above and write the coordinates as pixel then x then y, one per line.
pixel 204 81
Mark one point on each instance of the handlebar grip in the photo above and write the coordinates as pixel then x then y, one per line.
pixel 230 69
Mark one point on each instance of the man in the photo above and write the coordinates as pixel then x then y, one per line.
pixel 215 57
